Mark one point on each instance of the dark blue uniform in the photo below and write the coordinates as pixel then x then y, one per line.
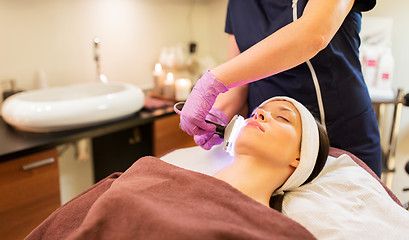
pixel 350 118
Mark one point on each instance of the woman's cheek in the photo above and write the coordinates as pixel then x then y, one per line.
pixel 246 137
pixel 253 138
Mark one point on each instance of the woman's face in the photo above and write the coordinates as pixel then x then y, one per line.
pixel 273 132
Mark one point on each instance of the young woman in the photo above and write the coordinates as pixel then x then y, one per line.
pixel 280 148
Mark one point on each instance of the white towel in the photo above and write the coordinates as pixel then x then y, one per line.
pixel 346 202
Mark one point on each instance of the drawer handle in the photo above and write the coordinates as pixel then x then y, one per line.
pixel 38 164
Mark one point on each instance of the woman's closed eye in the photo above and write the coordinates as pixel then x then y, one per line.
pixel 280 116
pixel 283 118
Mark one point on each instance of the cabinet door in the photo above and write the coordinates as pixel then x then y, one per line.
pixel 167 136
pixel 29 190
pixel 117 151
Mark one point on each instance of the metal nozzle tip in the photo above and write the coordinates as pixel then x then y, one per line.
pixel 97 40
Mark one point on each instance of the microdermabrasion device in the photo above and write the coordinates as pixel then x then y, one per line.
pixel 229 132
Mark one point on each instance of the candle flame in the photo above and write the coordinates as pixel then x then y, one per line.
pixel 170 76
pixel 183 82
pixel 158 67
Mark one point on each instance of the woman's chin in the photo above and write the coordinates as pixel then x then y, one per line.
pixel 246 146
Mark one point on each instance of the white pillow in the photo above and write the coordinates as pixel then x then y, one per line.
pixel 346 202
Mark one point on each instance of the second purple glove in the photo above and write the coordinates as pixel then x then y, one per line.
pixel 199 104
pixel 208 140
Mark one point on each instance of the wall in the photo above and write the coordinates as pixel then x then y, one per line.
pixel 56 36
pixel 396 9
pixel 76 169
pixel 217 40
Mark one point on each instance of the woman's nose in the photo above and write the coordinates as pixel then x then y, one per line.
pixel 259 115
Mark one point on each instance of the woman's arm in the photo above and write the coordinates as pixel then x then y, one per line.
pixel 288 47
pixel 232 101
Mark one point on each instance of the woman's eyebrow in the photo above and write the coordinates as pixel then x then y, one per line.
pixel 280 108
pixel 283 108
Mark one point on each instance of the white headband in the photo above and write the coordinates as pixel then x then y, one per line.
pixel 309 147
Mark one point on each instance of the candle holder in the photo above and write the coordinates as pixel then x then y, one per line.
pixel 183 86
pixel 169 86
pixel 158 79
pixel 171 83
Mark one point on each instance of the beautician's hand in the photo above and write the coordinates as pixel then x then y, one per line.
pixel 208 140
pixel 199 104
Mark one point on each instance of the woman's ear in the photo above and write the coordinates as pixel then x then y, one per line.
pixel 295 163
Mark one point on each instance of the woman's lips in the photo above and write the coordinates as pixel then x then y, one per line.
pixel 255 124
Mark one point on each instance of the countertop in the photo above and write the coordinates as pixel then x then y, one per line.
pixel 15 143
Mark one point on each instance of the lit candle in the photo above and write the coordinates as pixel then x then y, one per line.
pixel 183 87
pixel 158 79
pixel 169 86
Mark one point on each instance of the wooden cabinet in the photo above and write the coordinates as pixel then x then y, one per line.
pixel 167 136
pixel 29 193
pixel 116 152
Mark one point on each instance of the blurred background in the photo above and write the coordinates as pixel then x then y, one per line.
pixel 52 40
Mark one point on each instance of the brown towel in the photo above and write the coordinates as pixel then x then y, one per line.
pixel 156 200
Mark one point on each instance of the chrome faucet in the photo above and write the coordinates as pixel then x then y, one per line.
pixel 101 77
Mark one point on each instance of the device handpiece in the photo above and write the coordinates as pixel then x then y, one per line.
pixel 229 132
pixel 219 128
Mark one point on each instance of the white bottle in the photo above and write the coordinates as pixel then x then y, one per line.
pixel 371 66
pixel 41 80
pixel 385 71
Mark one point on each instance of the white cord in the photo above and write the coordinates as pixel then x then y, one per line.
pixel 318 92
pixel 313 75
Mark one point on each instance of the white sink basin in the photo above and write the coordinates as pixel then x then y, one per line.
pixel 73 106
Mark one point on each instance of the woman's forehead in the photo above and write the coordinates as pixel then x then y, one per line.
pixel 279 105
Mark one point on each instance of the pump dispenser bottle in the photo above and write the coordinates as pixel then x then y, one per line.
pixel 385 71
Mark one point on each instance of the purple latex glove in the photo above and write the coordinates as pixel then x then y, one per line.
pixel 208 140
pixel 198 105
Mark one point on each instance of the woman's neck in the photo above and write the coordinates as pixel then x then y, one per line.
pixel 251 177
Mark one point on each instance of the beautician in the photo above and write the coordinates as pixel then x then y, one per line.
pixel 305 49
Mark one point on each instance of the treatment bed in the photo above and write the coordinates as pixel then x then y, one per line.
pixel 175 198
